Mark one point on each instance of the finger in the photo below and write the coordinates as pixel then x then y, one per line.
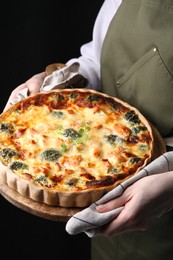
pixel 34 84
pixel 116 226
pixel 112 204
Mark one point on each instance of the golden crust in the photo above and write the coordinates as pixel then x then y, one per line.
pixel 68 198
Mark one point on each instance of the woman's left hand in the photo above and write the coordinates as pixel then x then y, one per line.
pixel 33 84
pixel 143 202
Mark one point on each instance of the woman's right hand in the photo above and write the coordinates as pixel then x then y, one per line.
pixel 33 84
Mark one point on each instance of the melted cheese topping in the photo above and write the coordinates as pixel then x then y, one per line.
pixel 76 143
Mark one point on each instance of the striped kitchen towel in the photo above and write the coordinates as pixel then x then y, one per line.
pixel 90 221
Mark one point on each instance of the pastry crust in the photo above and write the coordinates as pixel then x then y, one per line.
pixel 81 196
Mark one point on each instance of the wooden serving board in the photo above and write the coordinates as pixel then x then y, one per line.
pixel 39 209
pixel 59 213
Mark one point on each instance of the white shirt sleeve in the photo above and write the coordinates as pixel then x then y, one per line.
pixel 91 51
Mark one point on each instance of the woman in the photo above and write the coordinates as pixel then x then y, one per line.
pixel 130 57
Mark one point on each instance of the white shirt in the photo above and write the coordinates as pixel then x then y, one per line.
pixel 91 52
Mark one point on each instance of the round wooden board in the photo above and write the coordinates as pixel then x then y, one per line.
pixel 59 213
pixel 39 209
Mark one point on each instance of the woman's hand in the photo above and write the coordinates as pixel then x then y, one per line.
pixel 143 202
pixel 33 85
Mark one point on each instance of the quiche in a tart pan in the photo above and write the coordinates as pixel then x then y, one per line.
pixel 69 147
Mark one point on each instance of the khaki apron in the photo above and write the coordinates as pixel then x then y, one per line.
pixel 137 66
pixel 137 59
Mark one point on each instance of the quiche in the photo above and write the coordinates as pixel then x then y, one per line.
pixel 69 147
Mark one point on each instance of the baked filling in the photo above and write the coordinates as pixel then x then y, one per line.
pixel 69 147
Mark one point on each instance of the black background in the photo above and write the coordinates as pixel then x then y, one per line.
pixel 33 35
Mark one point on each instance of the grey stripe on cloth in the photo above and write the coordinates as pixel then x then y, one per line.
pixel 90 221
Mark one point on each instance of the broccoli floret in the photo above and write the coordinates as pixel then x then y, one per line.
pixel 134 160
pixel 136 130
pixel 56 113
pixel 72 182
pixel 93 97
pixel 7 154
pixel 111 139
pixel 114 171
pixel 51 155
pixel 73 95
pixel 71 133
pixel 18 165
pixel 60 97
pixel 132 117
pixel 42 180
pixel 143 147
pixel 6 128
pixel 114 105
